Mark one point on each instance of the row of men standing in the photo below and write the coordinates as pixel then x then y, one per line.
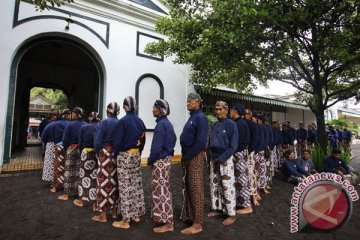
pixel 243 154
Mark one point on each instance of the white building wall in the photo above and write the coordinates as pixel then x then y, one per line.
pixel 122 67
pixel 278 116
pixel 296 115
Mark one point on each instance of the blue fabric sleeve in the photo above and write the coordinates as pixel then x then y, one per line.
pixel 233 142
pixel 157 143
pixel 118 137
pixel 291 170
pixel 201 138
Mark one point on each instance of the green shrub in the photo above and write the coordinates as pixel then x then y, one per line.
pixel 318 156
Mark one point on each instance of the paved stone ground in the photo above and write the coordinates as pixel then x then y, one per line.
pixel 355 163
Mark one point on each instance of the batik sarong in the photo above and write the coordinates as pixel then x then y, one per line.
pixel 87 174
pixel 280 157
pixel 260 169
pixel 193 189
pixel 222 187
pixel 274 161
pixel 252 174
pixel 131 192
pixel 48 169
pixel 106 181
pixel 269 168
pixel 72 168
pixel 162 210
pixel 59 166
pixel 241 173
pixel 300 147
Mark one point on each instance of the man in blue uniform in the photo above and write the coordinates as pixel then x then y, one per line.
pixel 223 144
pixel 59 161
pixel 106 176
pixel 335 164
pixel 161 152
pixel 254 139
pixel 193 142
pixel 128 143
pixel 72 158
pixel 301 138
pixel 241 165
pixel 347 138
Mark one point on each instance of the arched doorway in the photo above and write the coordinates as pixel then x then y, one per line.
pixel 50 62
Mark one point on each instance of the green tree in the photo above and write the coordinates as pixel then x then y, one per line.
pixel 341 122
pixel 44 4
pixel 57 96
pixel 313 45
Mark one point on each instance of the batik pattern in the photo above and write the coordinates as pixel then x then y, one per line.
pixel 48 169
pixel 106 181
pixel 193 189
pixel 269 169
pixel 252 174
pixel 72 168
pixel 274 161
pixel 87 174
pixel 162 210
pixel 260 169
pixel 241 173
pixel 222 187
pixel 280 157
pixel 131 203
pixel 59 166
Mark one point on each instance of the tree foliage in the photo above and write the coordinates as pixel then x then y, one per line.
pixel 56 96
pixel 44 4
pixel 313 45
pixel 341 122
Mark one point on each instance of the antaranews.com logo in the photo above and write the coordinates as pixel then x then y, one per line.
pixel 323 200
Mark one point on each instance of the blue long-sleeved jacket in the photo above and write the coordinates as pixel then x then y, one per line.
pixel 262 138
pixel 293 132
pixel 333 138
pixel 287 137
pixel 340 134
pixel 332 165
pixel 311 136
pixel 194 135
pixel 254 137
pixel 164 140
pixel 48 133
pixel 58 130
pixel 292 169
pixel 277 136
pixel 223 140
pixel 43 124
pixel 301 135
pixel 87 135
pixel 129 133
pixel 71 133
pixel 244 134
pixel 105 133
pixel 306 165
pixel 346 135
pixel 270 136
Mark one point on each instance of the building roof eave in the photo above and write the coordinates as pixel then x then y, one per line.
pixel 251 98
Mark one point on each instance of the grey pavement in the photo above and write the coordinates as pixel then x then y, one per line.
pixel 355 163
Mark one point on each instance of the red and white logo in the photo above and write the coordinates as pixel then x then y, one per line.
pixel 325 206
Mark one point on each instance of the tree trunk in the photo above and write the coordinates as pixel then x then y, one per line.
pixel 319 110
pixel 321 131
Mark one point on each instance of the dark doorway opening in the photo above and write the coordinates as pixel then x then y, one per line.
pixel 50 62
